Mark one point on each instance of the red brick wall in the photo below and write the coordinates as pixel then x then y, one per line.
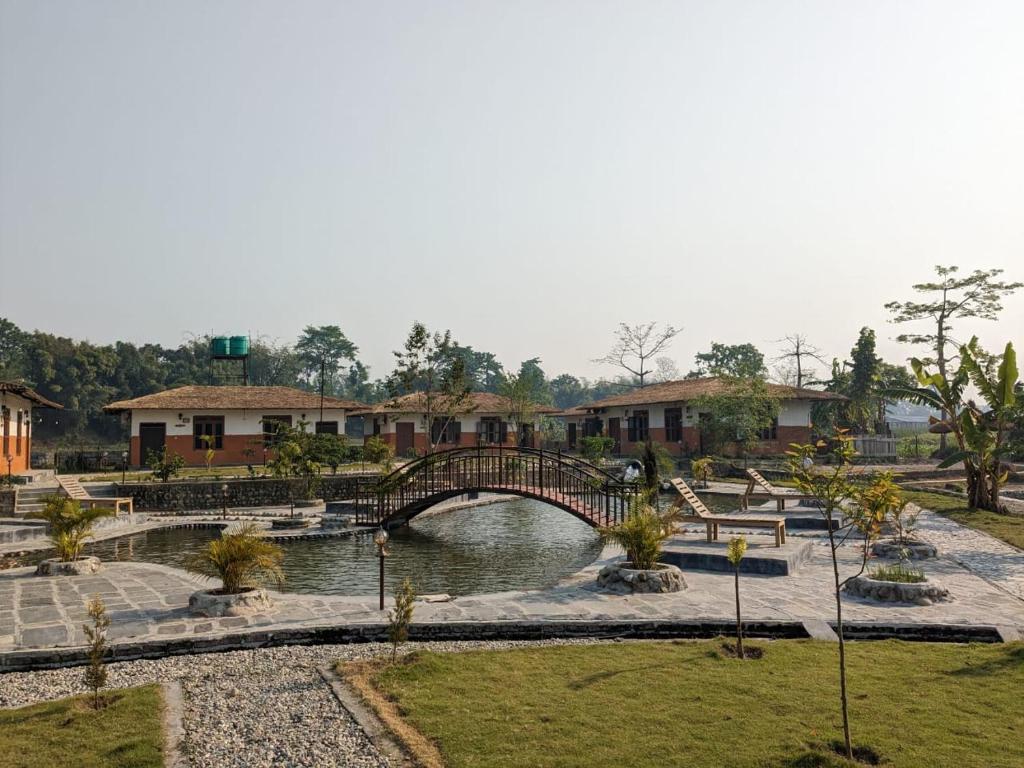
pixel 232 453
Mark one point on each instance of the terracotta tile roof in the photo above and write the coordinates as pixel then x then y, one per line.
pixel 22 390
pixel 481 402
pixel 685 390
pixel 199 398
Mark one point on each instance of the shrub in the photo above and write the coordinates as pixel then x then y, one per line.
pixel 241 560
pixel 400 617
pixel 642 534
pixel 377 451
pixel 703 470
pixel 165 464
pixel 69 525
pixel 596 449
pixel 96 634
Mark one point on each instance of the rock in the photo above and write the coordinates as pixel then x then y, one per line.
pixel 922 593
pixel 80 567
pixel 622 578
pixel 247 603
pixel 913 550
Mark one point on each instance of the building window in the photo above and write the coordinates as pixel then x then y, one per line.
pixel 17 443
pixel 207 427
pixel 772 432
pixel 570 434
pixel 376 425
pixel 673 425
pixel 326 427
pixel 592 427
pixel 5 416
pixel 490 431
pixel 447 431
pixel 636 427
pixel 272 428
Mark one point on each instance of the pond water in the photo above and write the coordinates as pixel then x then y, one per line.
pixel 518 544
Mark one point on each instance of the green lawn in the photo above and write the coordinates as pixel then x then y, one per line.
pixel 227 472
pixel 1009 528
pixel 128 733
pixel 684 704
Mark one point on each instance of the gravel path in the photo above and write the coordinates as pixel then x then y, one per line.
pixel 259 709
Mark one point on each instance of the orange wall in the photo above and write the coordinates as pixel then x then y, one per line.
pixel 232 453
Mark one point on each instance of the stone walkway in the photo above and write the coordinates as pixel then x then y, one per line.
pixel 148 602
pixel 987 556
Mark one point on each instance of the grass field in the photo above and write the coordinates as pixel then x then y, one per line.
pixel 655 704
pixel 126 734
pixel 1009 528
pixel 202 473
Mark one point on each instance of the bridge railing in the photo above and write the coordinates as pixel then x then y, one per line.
pixel 581 488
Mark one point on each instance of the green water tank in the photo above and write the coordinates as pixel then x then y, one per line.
pixel 239 346
pixel 219 346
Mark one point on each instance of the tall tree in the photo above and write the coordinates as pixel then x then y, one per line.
pixel 666 370
pixel 730 360
pixel 637 345
pixel 736 415
pixel 799 353
pixel 950 298
pixel 12 347
pixel 426 365
pixel 324 348
pixel 567 391
pixel 482 368
pixel 524 390
pixel 865 366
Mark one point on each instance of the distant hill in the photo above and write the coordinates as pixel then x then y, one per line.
pixel 909 412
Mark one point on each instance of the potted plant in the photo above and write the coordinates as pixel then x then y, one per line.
pixel 244 561
pixel 69 526
pixel 642 535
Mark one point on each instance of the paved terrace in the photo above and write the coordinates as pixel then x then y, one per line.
pixel 148 602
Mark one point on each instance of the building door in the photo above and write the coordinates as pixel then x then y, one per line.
pixel 615 433
pixel 705 434
pixel 570 434
pixel 404 440
pixel 152 437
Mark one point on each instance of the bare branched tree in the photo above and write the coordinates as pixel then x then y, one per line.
pixel 637 345
pixel 798 350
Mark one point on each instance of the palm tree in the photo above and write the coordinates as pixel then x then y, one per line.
pixel 241 560
pixel 69 525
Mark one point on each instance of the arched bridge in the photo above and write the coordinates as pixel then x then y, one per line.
pixel 578 487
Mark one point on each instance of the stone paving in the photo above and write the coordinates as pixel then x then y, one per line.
pixel 149 602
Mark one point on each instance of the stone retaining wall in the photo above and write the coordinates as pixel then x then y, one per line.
pixel 49 658
pixel 179 495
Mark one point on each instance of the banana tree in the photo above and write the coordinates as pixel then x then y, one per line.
pixel 980 432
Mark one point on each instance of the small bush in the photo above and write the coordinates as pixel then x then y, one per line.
pixel 400 617
pixel 165 464
pixel 642 534
pixel 69 524
pixel 377 451
pixel 96 634
pixel 241 560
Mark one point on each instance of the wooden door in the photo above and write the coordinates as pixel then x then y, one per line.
pixel 615 433
pixel 152 437
pixel 404 440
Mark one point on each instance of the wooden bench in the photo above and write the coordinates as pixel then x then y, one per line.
pixel 74 489
pixel 768 491
pixel 713 522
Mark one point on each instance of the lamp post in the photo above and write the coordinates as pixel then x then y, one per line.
pixel 380 538
pixel 224 494
pixel 124 465
pixel 10 460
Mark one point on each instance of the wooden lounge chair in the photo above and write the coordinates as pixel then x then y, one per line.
pixel 74 489
pixel 759 488
pixel 713 522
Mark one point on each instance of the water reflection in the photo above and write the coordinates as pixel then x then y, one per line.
pixel 520 544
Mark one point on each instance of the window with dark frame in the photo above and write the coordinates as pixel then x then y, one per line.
pixel 673 425
pixel 272 429
pixel 207 426
pixel 326 427
pixel 772 432
pixel 637 427
pixel 489 430
pixel 592 427
pixel 17 442
pixel 445 433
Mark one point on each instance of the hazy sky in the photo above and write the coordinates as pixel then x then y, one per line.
pixel 528 174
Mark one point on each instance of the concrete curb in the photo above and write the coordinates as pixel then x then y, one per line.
pixel 48 658
pixel 366 719
pixel 174 729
